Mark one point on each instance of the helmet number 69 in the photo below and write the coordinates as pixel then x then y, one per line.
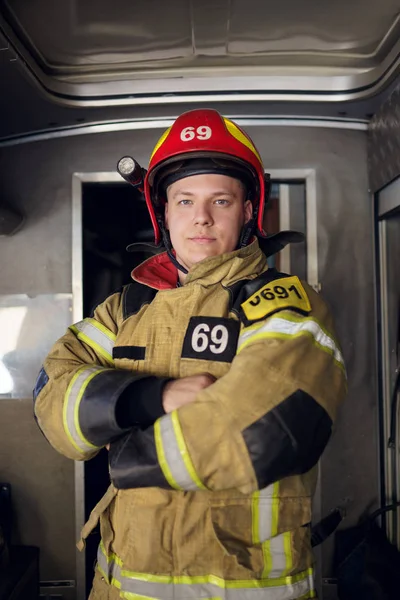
pixel 201 133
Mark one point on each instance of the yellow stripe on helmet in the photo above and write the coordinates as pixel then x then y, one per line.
pixel 160 141
pixel 239 135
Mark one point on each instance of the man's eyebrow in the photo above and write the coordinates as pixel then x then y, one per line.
pixel 182 193
pixel 191 194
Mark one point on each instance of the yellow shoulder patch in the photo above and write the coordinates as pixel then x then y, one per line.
pixel 287 292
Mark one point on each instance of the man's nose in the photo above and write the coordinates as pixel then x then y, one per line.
pixel 202 215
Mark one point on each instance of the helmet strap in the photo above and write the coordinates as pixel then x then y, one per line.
pixel 168 246
pixel 246 234
pixel 248 229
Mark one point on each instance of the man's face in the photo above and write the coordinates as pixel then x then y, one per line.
pixel 204 215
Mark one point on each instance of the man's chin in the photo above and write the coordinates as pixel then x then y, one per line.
pixel 198 257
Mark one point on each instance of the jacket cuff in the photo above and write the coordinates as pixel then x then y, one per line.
pixel 141 403
pixel 155 457
pixel 96 414
pixel 133 461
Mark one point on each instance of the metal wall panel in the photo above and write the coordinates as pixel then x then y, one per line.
pixel 38 260
pixel 384 143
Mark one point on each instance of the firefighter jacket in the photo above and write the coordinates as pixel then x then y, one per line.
pixel 212 500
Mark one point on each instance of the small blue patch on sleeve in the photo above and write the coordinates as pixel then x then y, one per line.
pixel 41 381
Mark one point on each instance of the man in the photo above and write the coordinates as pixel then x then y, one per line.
pixel 213 380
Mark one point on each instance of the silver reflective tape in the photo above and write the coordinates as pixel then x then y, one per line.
pixel 96 335
pixel 72 403
pixel 283 326
pixel 196 591
pixel 279 560
pixel 265 506
pixel 137 584
pixel 110 569
pixel 173 455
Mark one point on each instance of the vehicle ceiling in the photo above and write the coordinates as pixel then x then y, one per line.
pixel 68 62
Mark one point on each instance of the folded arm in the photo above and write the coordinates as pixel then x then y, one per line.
pixel 269 417
pixel 81 402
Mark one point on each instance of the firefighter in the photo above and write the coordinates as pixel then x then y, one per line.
pixel 213 380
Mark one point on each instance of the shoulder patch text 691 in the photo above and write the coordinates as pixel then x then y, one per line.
pixel 287 292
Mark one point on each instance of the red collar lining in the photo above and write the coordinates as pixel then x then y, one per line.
pixel 157 272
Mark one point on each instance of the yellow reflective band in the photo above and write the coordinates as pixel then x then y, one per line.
pixel 218 581
pixel 76 409
pixel 268 528
pixel 266 550
pixel 283 328
pixel 265 513
pixel 96 336
pixel 72 399
pixel 173 455
pixel 275 510
pixel 277 553
pixel 109 566
pixel 184 451
pixel 255 513
pixel 133 596
pixel 287 543
pixel 161 456
pixel 102 328
pixel 145 585
pixel 239 135
pixel 160 142
pixel 100 568
pixel 84 338
pixel 295 318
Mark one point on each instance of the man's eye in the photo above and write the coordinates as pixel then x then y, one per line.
pixel 185 202
pixel 221 201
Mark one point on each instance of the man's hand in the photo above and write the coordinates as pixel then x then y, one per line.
pixel 184 391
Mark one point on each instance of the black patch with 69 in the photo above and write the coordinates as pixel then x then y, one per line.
pixel 211 338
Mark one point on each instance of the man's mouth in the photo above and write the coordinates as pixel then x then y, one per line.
pixel 202 239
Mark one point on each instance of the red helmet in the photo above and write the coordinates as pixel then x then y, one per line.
pixel 203 141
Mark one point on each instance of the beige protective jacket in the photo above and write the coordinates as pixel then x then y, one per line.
pixel 214 499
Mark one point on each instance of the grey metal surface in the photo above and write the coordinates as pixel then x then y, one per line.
pixel 389 252
pixel 99 53
pixel 154 123
pixel 384 143
pixel 389 198
pixel 38 259
pixel 98 34
pixel 47 116
pixel 58 590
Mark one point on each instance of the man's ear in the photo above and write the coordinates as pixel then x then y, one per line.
pixel 166 215
pixel 248 211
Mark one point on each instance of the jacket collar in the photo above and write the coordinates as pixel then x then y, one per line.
pixel 159 273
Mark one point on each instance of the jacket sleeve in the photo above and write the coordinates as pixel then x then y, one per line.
pixel 268 418
pixel 78 388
